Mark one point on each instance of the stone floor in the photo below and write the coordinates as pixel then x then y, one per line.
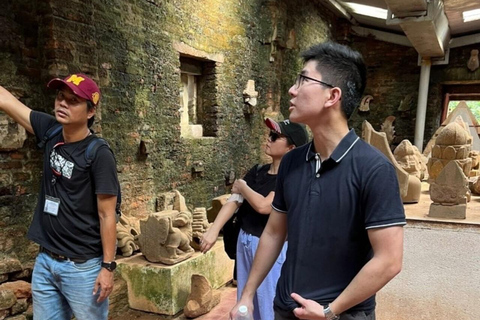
pixel 415 212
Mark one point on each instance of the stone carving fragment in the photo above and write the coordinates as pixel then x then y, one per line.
pixel 410 159
pixel 199 226
pixel 365 104
pixel 202 297
pixel 409 185
pixel 388 128
pixel 127 236
pixel 406 103
pixel 449 192
pixel 473 63
pixel 452 144
pixel 165 236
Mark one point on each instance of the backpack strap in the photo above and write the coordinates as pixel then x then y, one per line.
pixel 49 134
pixel 92 148
pixel 90 154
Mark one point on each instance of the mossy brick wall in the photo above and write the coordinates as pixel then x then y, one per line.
pixel 129 48
pixel 392 74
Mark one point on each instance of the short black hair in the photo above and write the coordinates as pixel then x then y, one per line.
pixel 342 67
pixel 90 106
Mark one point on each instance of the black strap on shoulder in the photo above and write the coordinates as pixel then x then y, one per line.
pixel 90 154
pixel 92 148
pixel 51 132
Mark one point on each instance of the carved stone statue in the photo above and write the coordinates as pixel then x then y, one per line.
pixel 473 63
pixel 165 236
pixel 388 128
pixel 452 144
pixel 365 104
pixel 199 226
pixel 127 236
pixel 410 159
pixel 409 185
pixel 449 193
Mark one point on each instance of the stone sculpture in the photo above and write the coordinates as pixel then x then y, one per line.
pixel 217 204
pixel 475 185
pixel 409 185
pixel 388 128
pixel 199 226
pixel 127 236
pixel 463 111
pixel 410 159
pixel 406 103
pixel 165 236
pixel 202 297
pixel 449 193
pixel 365 104
pixel 473 63
pixel 475 156
pixel 452 144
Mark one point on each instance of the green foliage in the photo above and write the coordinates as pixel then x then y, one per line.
pixel 473 105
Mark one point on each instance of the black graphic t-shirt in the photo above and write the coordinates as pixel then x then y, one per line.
pixel 66 217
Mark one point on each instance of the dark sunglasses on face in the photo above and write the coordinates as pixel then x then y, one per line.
pixel 275 135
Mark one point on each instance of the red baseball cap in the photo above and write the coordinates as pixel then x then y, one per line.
pixel 81 85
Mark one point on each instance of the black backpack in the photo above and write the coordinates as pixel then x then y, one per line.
pixel 90 154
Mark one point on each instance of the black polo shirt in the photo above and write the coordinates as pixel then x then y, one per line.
pixel 330 205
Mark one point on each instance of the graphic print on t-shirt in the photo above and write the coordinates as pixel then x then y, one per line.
pixel 60 164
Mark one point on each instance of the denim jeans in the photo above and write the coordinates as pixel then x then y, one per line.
pixel 63 288
pixel 247 245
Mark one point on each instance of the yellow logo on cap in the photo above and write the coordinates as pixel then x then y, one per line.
pixel 95 97
pixel 75 79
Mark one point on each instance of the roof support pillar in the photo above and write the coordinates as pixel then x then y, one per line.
pixel 422 102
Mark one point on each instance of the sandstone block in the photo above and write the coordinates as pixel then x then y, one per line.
pixel 458 211
pixel 163 289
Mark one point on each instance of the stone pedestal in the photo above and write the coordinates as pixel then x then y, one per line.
pixel 164 289
pixel 457 211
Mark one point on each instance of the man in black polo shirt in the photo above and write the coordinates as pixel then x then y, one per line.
pixel 338 200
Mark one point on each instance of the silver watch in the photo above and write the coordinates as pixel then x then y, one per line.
pixel 329 314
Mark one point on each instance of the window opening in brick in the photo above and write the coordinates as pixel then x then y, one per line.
pixel 197 96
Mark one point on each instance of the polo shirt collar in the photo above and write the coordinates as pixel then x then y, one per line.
pixel 345 145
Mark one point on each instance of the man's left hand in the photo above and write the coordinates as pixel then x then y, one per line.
pixel 104 282
pixel 309 309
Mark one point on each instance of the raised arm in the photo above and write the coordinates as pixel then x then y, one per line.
pixel 271 243
pixel 15 109
pixel 387 245
pixel 259 203
pixel 209 238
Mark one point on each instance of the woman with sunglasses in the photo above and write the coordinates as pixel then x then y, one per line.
pixel 252 196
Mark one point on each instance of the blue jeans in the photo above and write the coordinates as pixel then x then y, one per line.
pixel 247 245
pixel 63 288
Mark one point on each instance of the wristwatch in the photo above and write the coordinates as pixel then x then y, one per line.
pixel 329 314
pixel 110 266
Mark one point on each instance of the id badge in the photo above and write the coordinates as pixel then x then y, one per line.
pixel 51 205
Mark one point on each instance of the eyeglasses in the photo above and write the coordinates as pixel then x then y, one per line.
pixel 301 78
pixel 275 135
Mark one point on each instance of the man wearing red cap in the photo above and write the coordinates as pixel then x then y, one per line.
pixel 74 221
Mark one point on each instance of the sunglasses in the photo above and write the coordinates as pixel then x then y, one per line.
pixel 275 135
